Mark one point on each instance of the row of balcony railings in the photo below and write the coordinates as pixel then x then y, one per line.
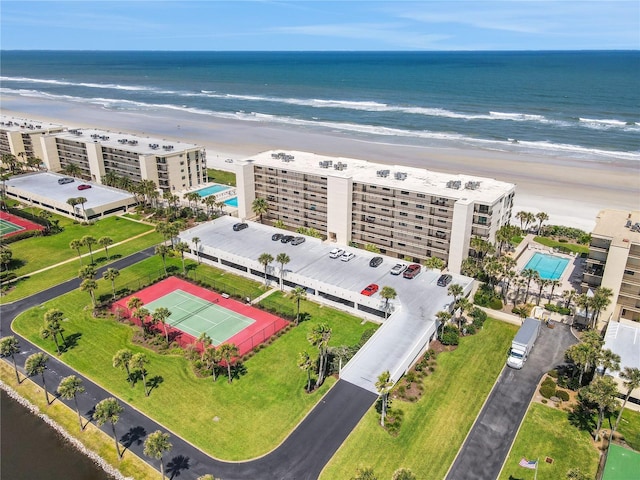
pixel 421 245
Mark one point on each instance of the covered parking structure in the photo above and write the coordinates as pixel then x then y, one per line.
pixel 411 322
pixel 42 189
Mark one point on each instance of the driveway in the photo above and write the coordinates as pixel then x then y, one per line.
pixel 485 449
pixel 301 456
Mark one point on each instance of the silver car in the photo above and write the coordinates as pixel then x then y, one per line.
pixel 398 269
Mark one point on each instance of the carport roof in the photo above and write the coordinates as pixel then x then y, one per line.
pixel 623 338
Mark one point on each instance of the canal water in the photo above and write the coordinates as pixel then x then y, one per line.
pixel 30 449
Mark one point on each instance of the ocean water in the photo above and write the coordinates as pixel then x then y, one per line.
pixel 577 104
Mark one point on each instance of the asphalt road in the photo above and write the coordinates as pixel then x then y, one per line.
pixel 485 449
pixel 302 455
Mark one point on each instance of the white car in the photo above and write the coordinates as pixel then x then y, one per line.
pixel 398 269
pixel 346 256
pixel 336 252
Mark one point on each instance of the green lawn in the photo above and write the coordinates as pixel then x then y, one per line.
pixel 574 247
pixel 435 427
pixel 546 432
pixel 220 176
pixel 43 280
pixel 39 252
pixel 629 427
pixel 234 421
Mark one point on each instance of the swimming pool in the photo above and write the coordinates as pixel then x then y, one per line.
pixel 211 189
pixel 549 267
pixel 232 202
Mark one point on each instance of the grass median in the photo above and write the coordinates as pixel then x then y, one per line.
pixel 434 427
pixel 236 421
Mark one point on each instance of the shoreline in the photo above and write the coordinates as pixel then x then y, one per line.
pixel 569 190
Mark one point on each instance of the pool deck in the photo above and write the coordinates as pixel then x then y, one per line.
pixel 570 278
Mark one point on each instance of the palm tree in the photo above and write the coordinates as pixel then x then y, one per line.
pixel 601 300
pixel 68 389
pixel 319 337
pixel 456 291
pixel 52 327
pixel 71 169
pixel 443 317
pixel 142 314
pixel 298 294
pixel 206 341
pixel 37 364
pixel 161 315
pixel 5 256
pixel 279 224
pixel 121 360
pixel 86 272
pixel 541 217
pixel 88 241
pixel 584 301
pixel 228 351
pixel 156 445
pixel 72 202
pixel 75 245
pixel 568 296
pixel 111 274
pixel 580 354
pixel 608 361
pixel 90 285
pixel 105 242
pixel 305 364
pixel 211 357
pixel 138 362
pixel 282 259
pixel 631 376
pixel 383 385
pixel 602 391
pixel 530 275
pixel 260 206
pixel 542 284
pixel 110 178
pixel 183 247
pixel 388 293
pixel 162 228
pixel 9 346
pixel 265 259
pixel 133 304
pixel 109 410
pixel 196 241
pixel 81 201
pixel 163 251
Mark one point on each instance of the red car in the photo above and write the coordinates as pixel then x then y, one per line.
pixel 84 186
pixel 370 290
pixel 412 271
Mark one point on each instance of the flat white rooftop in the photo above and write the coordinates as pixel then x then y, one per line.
pixel 623 338
pixel 17 124
pixel 127 141
pixel 45 185
pixel 619 225
pixel 464 187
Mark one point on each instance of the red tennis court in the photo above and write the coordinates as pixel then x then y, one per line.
pixel 257 327
pixel 12 224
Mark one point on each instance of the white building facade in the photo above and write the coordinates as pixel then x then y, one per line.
pixel 406 212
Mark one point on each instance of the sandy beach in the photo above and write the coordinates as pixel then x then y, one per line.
pixel 571 191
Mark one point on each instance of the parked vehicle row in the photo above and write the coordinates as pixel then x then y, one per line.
pixel 287 239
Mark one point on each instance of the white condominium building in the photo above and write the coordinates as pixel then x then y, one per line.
pixel 406 212
pixel 614 262
pixel 21 137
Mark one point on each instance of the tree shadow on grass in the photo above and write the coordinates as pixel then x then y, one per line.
pixel 176 465
pixel 154 382
pixel 133 436
pixel 171 269
pixel 304 317
pixel 582 417
pixel 237 370
pixel 71 341
pixel 191 266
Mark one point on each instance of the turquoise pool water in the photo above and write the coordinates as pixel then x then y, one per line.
pixel 232 202
pixel 549 267
pixel 210 190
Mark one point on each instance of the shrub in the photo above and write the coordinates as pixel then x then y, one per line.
pixel 451 335
pixel 553 373
pixel 366 335
pixel 562 395
pixel 471 329
pixel 547 390
pixel 478 315
pixel 495 304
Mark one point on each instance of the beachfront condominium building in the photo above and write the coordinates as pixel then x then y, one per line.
pixel 614 262
pixel 405 212
pixel 171 165
pixel 20 137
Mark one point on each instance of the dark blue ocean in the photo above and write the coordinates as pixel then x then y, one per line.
pixel 581 104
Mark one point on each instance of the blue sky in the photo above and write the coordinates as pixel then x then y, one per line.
pixel 320 25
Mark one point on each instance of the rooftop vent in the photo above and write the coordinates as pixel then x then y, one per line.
pixel 285 157
pixel 75 131
pixel 325 163
pixel 340 166
pixel 132 142
pixel 455 184
pixel 383 173
pixel 472 185
pixel 400 176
